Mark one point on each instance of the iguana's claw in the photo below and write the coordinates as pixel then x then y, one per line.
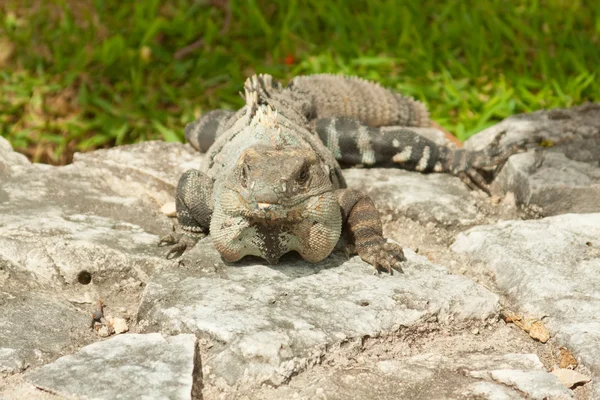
pixel 492 158
pixel 180 242
pixel 176 251
pixel 168 240
pixel 383 255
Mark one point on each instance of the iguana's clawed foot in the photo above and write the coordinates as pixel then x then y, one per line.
pixel 492 158
pixel 383 255
pixel 180 242
pixel 474 180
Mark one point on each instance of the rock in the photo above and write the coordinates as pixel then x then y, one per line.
pixel 549 268
pixel 439 198
pixel 566 359
pixel 554 125
pixel 558 186
pixel 169 209
pixel 125 185
pixel 570 378
pixel 36 327
pixel 126 366
pixel 88 232
pixel 539 385
pixel 13 361
pixel 9 161
pixel 491 391
pixel 104 331
pixel 273 321
pixel 61 246
pixel 74 232
pixel 97 218
pixel 120 325
pixel 559 179
pixel 431 376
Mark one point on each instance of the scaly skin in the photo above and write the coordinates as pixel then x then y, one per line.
pixel 271 182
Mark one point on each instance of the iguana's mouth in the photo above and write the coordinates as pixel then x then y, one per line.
pixel 271 212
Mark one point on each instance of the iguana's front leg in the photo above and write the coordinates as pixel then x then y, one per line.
pixel 194 211
pixel 362 222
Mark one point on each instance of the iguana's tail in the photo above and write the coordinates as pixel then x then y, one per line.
pixel 352 142
pixel 342 96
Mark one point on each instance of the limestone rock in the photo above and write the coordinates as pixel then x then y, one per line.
pixel 77 232
pixel 99 216
pixel 9 161
pixel 554 183
pixel 36 327
pixel 431 376
pixel 570 378
pixel 439 198
pixel 73 235
pixel 272 321
pixel 555 125
pixel 562 178
pixel 550 268
pixel 120 325
pixel 539 385
pixel 126 366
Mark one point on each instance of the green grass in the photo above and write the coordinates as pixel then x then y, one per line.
pixel 79 75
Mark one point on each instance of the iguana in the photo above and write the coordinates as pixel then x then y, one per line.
pixel 271 181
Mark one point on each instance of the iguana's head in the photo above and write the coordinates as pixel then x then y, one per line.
pixel 271 181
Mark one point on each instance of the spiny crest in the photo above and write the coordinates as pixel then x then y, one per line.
pixel 251 90
pixel 261 113
pixel 267 117
pixel 256 90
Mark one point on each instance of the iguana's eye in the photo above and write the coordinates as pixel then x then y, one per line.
pixel 303 175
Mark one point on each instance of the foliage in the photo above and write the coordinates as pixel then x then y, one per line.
pixel 78 75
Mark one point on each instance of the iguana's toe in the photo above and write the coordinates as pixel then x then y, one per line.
pixel 491 159
pixel 175 251
pixel 494 155
pixel 180 242
pixel 168 240
pixel 474 180
pixel 383 255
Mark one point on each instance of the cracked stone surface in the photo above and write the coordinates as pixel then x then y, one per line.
pixel 439 198
pixel 73 235
pixel 126 367
pixel 34 327
pixel 431 376
pixel 550 269
pixel 271 322
pixel 98 215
